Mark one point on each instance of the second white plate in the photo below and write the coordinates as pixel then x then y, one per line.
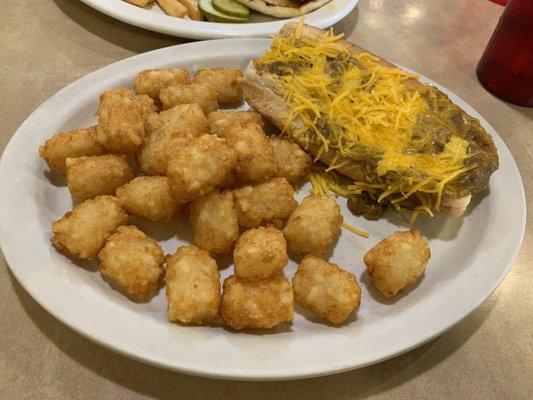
pixel 260 26
pixel 470 256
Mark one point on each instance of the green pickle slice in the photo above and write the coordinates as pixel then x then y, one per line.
pixel 231 7
pixel 213 15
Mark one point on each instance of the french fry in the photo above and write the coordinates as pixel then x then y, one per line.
pixel 173 8
pixel 140 3
pixel 193 10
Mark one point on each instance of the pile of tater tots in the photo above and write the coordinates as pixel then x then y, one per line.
pixel 164 152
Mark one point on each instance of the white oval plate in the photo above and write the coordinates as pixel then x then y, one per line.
pixel 470 256
pixel 261 26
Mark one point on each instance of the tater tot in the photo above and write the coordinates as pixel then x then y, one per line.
pixel 176 143
pixel 313 226
pixel 220 122
pixel 326 290
pixel 256 161
pixel 193 286
pixel 270 202
pixel 256 304
pixel 133 260
pixel 203 95
pixel 182 119
pixel 147 105
pixel 202 167
pixel 88 177
pixel 151 81
pixel 214 222
pixel 230 182
pixel 293 162
pixel 260 253
pixel 397 261
pixel 121 118
pixel 151 158
pixel 82 232
pixel 149 197
pixel 226 82
pixel 76 143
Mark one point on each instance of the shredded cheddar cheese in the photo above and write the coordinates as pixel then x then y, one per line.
pixel 355 230
pixel 366 112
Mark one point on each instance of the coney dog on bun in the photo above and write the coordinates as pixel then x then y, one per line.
pixel 399 141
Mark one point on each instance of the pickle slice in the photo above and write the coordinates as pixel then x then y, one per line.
pixel 231 7
pixel 214 15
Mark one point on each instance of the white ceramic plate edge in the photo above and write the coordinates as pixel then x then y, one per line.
pixel 210 30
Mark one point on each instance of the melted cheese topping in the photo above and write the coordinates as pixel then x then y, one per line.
pixel 365 112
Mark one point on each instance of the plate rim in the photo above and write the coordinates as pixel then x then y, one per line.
pixel 241 375
pixel 213 30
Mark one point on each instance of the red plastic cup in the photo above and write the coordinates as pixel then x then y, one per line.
pixel 506 67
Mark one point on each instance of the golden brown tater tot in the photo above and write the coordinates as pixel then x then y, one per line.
pixel 82 232
pixel 133 260
pixel 326 290
pixel 151 81
pixel 63 145
pixel 226 82
pixel 397 261
pixel 88 177
pixel 204 95
pixel 192 285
